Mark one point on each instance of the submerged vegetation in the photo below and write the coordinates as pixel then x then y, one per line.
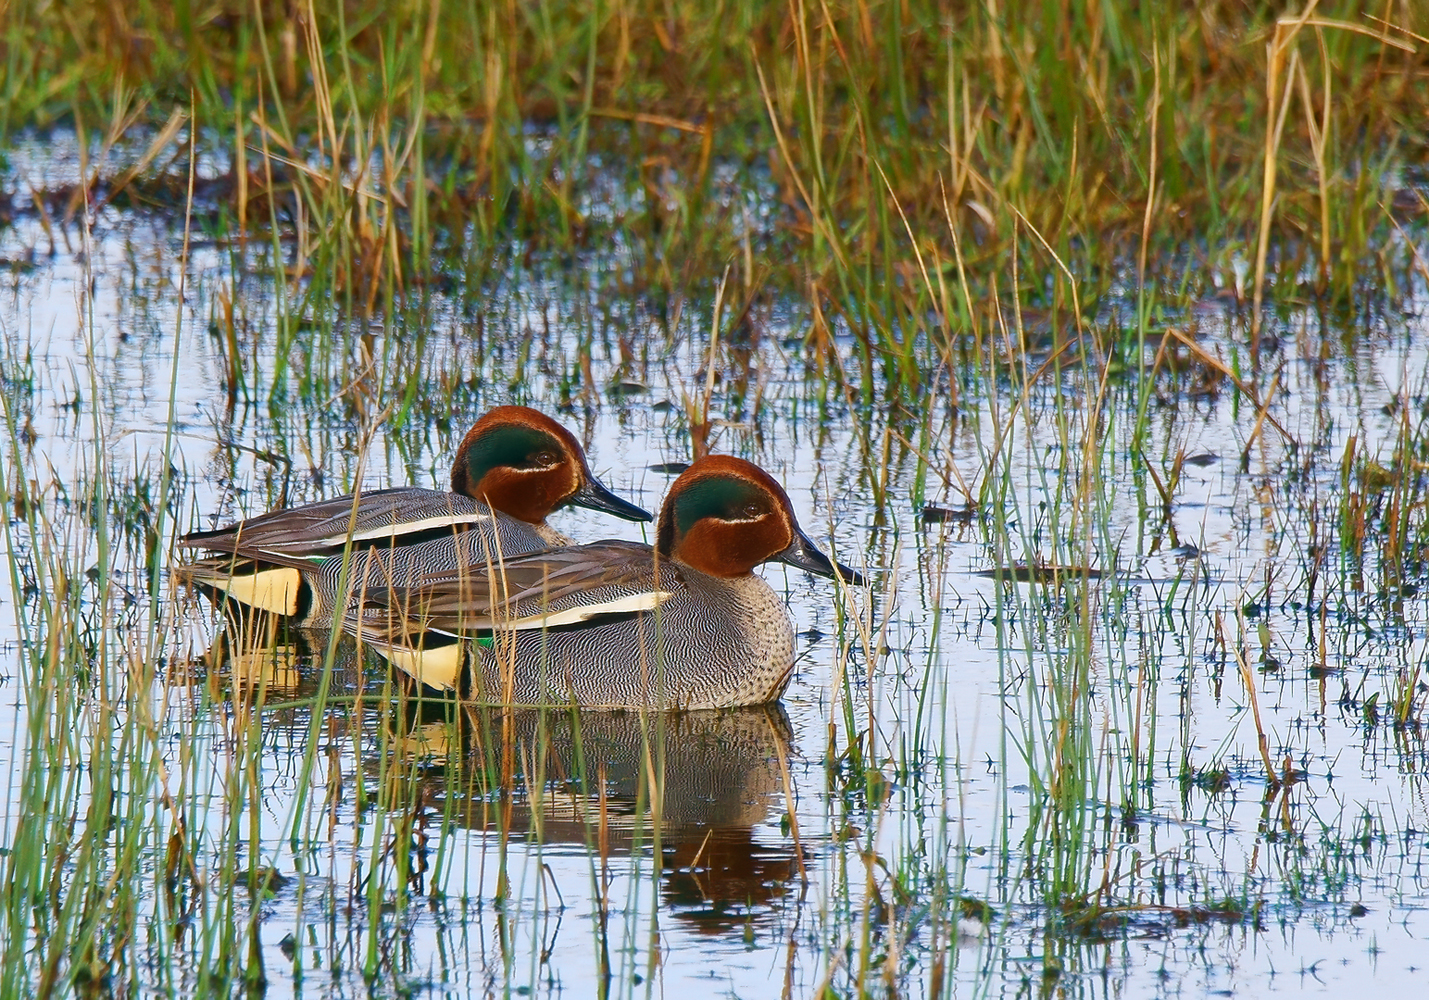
pixel 1100 327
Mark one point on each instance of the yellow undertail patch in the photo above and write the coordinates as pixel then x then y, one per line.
pixel 273 590
pixel 438 668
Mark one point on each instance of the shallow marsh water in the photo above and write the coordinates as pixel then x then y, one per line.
pixel 1081 757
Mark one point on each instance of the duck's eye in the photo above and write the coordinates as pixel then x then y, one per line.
pixel 753 510
pixel 543 459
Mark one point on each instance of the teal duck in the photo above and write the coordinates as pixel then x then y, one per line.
pixel 514 467
pixel 684 624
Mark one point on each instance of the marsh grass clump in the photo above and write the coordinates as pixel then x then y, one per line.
pixel 390 146
pixel 140 848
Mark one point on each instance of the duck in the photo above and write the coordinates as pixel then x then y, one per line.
pixel 513 468
pixel 684 624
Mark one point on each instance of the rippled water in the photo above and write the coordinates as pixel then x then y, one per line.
pixel 770 859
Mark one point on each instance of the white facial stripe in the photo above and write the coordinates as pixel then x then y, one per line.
pixel 744 518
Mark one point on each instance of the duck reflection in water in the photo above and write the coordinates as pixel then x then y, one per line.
pixel 261 657
pixel 704 783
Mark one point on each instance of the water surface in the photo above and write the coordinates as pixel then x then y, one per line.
pixel 901 818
